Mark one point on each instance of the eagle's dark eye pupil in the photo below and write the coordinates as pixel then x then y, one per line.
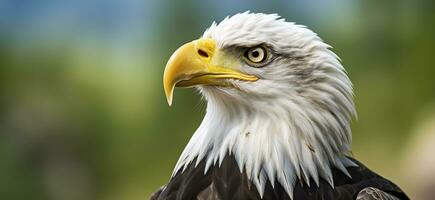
pixel 256 56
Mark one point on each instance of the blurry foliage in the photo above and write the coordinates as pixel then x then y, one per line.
pixel 83 114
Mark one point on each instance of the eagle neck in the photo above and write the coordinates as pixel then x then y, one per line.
pixel 272 143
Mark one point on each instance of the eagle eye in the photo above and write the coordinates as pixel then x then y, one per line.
pixel 256 56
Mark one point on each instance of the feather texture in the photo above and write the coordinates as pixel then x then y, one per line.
pixel 293 123
pixel 286 135
pixel 226 182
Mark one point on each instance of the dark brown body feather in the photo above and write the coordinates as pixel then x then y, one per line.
pixel 227 183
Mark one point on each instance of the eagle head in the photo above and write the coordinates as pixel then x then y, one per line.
pixel 278 99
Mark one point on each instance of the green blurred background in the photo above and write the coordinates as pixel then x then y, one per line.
pixel 83 113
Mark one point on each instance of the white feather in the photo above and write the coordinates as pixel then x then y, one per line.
pixel 282 127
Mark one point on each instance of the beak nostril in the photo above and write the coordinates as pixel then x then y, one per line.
pixel 202 53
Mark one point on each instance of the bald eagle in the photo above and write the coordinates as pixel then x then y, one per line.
pixel 277 124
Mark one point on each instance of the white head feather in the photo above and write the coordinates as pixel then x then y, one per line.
pixel 293 123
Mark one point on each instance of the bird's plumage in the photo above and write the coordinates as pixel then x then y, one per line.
pixel 284 136
pixel 225 182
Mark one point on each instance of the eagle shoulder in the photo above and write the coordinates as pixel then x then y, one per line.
pixel 371 193
pixel 228 182
pixel 156 194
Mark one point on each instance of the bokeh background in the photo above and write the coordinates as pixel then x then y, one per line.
pixel 83 113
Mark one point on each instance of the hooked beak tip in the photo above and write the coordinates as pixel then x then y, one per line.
pixel 169 92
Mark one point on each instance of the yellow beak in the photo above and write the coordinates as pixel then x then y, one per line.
pixel 191 65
